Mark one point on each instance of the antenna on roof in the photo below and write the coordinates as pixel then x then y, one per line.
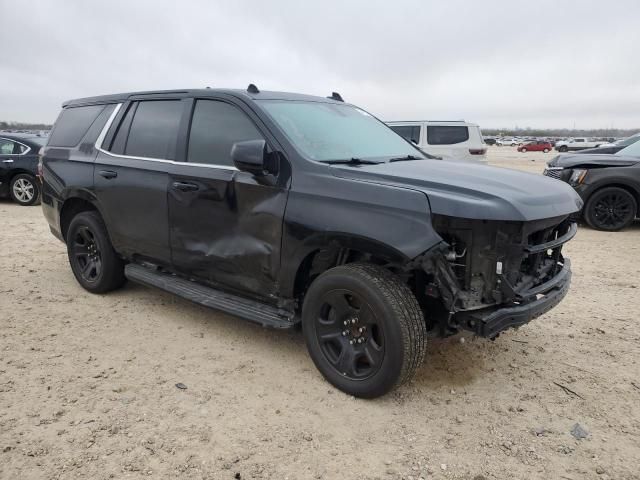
pixel 252 88
pixel 336 96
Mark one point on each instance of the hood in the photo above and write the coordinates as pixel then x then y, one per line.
pixel 468 190
pixel 593 160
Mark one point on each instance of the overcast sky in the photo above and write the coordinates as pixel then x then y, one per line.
pixel 504 63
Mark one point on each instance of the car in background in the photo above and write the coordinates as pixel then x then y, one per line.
pixel 454 140
pixel 536 146
pixel 506 142
pixel 614 147
pixel 490 140
pixel 609 184
pixel 580 143
pixel 19 168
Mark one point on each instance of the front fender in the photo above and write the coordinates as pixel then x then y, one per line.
pixel 388 221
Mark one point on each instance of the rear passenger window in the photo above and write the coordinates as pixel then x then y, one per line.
pixel 72 124
pixel 408 132
pixel 154 129
pixel 446 135
pixel 7 147
pixel 215 127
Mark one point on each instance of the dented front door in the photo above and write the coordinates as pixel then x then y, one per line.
pixel 225 227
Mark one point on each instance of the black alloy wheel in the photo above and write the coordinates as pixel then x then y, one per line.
pixel 364 329
pixel 86 254
pixel 94 262
pixel 350 336
pixel 611 209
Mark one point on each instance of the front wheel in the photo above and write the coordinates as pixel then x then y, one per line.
pixel 24 190
pixel 523 150
pixel 364 329
pixel 563 149
pixel 545 150
pixel 610 209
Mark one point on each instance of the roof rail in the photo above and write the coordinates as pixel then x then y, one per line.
pixel 336 96
pixel 252 88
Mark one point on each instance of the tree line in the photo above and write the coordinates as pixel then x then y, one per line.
pixel 560 132
pixel 23 126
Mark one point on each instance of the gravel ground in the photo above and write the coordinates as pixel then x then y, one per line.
pixel 88 383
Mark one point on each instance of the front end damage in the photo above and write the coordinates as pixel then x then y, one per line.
pixel 487 276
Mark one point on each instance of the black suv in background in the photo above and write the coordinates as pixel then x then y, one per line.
pixel 285 209
pixel 18 168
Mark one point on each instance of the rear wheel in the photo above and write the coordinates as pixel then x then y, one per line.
pixel 364 329
pixel 545 150
pixel 563 149
pixel 24 190
pixel 93 261
pixel 610 209
pixel 523 149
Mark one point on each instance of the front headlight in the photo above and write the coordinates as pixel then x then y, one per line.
pixel 578 176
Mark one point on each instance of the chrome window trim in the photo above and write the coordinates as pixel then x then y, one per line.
pixel 107 126
pixel 28 148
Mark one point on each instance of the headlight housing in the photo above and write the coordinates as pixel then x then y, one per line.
pixel 578 176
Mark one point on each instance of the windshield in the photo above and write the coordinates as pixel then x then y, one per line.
pixel 633 150
pixel 326 131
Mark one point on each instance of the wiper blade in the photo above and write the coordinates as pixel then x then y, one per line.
pixel 405 158
pixel 351 161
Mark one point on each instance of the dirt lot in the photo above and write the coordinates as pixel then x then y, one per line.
pixel 87 383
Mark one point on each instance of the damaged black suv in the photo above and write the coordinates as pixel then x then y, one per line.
pixel 289 209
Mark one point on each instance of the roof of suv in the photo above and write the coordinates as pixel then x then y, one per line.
pixel 201 92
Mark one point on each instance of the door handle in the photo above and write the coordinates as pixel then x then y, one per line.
pixel 108 174
pixel 7 161
pixel 185 187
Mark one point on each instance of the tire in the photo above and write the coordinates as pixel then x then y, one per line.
pixel 563 149
pixel 24 190
pixel 364 329
pixel 523 150
pixel 93 260
pixel 610 209
pixel 545 150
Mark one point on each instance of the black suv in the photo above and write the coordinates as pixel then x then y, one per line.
pixel 289 209
pixel 18 168
pixel 609 184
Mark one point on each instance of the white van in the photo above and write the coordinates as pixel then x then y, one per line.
pixel 457 140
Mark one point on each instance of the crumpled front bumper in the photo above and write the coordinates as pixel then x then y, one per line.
pixel 489 322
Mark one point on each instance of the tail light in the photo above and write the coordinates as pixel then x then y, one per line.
pixel 477 151
pixel 40 155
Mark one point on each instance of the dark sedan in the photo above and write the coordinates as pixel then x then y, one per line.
pixel 608 184
pixel 18 167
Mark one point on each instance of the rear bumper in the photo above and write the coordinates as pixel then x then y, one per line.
pixel 491 321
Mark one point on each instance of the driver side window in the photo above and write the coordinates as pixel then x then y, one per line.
pixel 215 127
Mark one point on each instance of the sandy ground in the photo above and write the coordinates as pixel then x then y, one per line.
pixel 87 383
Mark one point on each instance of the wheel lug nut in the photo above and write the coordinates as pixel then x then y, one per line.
pixel 345 333
pixel 346 322
pixel 354 320
pixel 350 342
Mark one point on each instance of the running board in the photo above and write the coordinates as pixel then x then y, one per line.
pixel 264 314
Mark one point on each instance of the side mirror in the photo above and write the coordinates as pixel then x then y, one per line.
pixel 249 156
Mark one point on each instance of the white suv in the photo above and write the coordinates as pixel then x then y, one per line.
pixel 450 140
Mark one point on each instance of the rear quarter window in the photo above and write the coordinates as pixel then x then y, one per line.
pixel 154 129
pixel 410 133
pixel 447 135
pixel 72 124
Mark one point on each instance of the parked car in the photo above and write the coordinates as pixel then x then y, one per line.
pixel 489 141
pixel 289 209
pixel 510 142
pixel 537 146
pixel 449 140
pixel 615 146
pixel 577 144
pixel 609 184
pixel 18 168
